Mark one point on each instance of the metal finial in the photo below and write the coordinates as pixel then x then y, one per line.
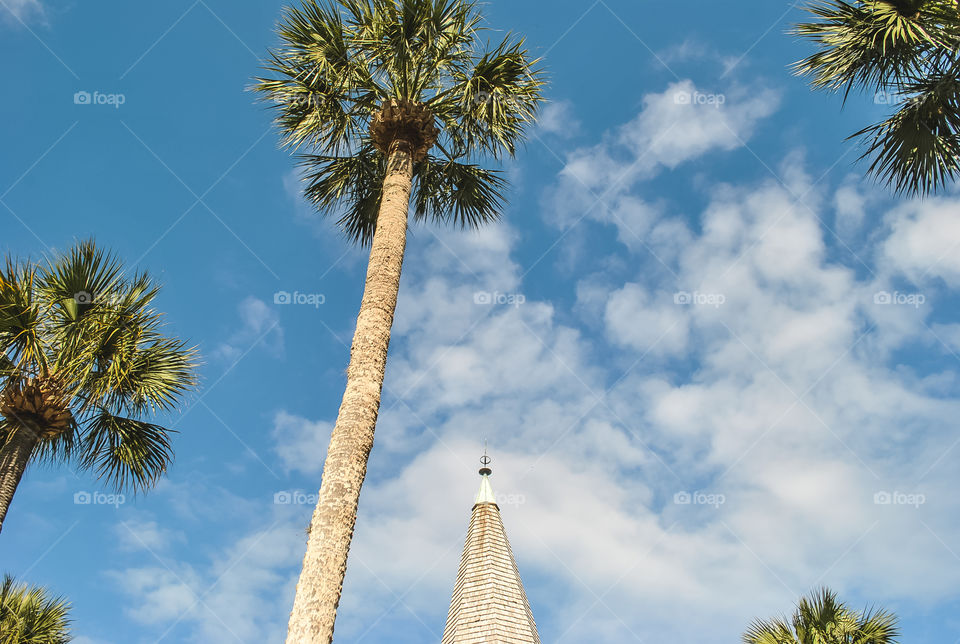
pixel 485 461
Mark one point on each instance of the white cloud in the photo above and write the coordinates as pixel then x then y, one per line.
pixel 784 404
pixel 300 443
pixel 558 118
pixel 21 10
pixel 652 324
pixel 784 400
pixel 141 533
pixel 676 126
pixel 259 326
pixel 242 593
pixel 925 240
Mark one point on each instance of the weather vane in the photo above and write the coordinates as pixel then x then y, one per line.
pixel 485 461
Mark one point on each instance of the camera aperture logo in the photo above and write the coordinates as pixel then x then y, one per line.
pixel 84 97
pixel 99 498
pixel 312 299
pixel 699 498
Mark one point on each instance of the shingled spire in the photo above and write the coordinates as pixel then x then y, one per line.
pixel 489 605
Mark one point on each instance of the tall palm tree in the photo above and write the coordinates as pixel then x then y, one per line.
pixel 29 616
pixel 822 619
pixel 905 53
pixel 397 103
pixel 83 366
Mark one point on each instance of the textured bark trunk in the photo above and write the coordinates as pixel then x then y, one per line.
pixel 14 457
pixel 325 564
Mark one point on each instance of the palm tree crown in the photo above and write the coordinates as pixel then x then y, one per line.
pixel 83 360
pixel 822 619
pixel 30 616
pixel 355 76
pixel 904 52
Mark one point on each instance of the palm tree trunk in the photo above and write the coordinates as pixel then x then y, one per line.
pixel 14 456
pixel 325 564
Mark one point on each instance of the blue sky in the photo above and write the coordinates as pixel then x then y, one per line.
pixel 692 293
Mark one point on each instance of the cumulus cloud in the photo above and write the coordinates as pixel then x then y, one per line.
pixel 925 240
pixel 239 591
pixel 676 126
pixel 301 444
pixel 558 118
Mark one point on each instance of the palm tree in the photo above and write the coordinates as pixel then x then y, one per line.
pixel 30 616
pixel 905 53
pixel 397 103
pixel 83 362
pixel 822 619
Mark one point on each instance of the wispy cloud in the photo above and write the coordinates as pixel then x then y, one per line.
pixel 259 326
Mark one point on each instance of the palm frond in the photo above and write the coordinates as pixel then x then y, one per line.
pixel 490 108
pixel 872 44
pixel 917 149
pixel 775 631
pixel 128 454
pixel 349 188
pixel 21 329
pixel 463 194
pixel 28 615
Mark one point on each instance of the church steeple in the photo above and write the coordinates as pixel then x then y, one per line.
pixel 489 605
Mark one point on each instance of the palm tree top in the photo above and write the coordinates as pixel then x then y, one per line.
pixel 823 619
pixel 82 338
pixel 351 78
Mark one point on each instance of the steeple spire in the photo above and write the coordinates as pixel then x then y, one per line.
pixel 489 604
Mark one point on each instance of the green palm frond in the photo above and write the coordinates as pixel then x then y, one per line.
pixel 775 631
pixel 21 337
pixel 917 150
pixel 28 615
pixel 348 187
pixel 905 52
pixel 465 195
pixel 128 454
pixel 339 62
pixel 871 44
pixel 823 619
